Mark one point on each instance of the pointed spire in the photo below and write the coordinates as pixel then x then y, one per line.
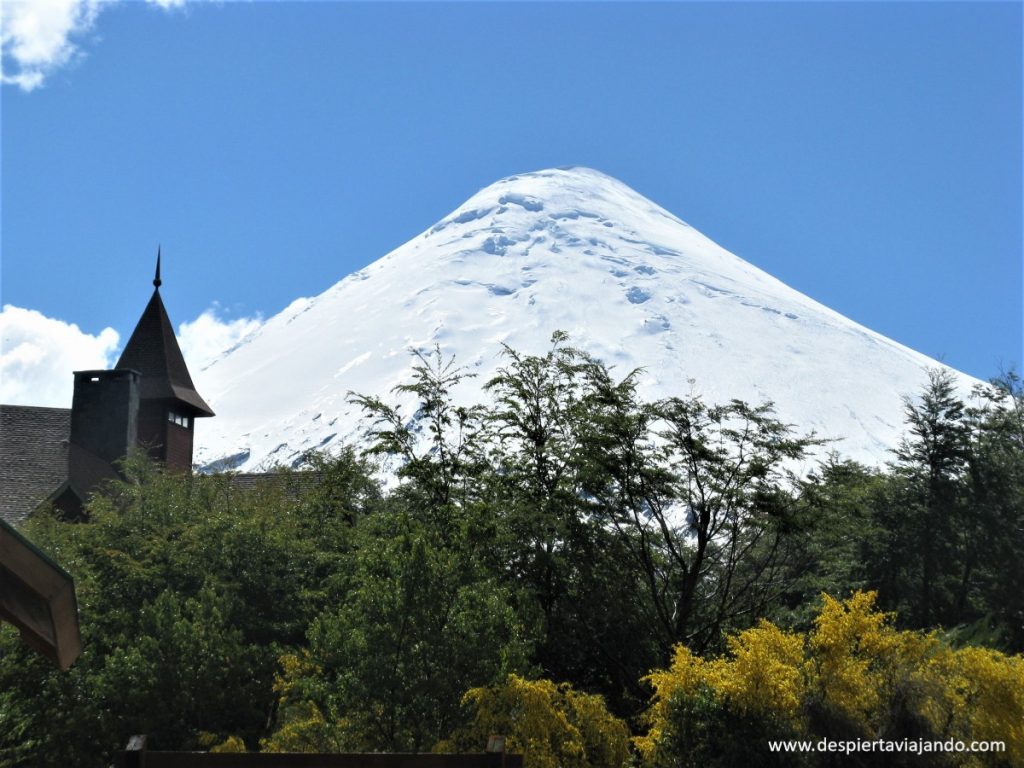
pixel 153 351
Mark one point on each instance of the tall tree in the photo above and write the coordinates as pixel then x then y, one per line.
pixel 701 497
pixel 932 462
pixel 994 557
pixel 571 570
pixel 436 449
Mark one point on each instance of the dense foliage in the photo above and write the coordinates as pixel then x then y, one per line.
pixel 552 726
pixel 852 678
pixel 538 556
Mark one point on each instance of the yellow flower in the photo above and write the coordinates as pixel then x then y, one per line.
pixel 857 666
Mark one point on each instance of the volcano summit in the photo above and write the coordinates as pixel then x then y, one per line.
pixel 563 249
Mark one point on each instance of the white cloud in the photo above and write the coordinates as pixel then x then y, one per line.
pixel 39 37
pixel 36 36
pixel 209 336
pixel 39 353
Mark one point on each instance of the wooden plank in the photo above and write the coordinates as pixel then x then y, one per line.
pixel 147 759
pixel 38 597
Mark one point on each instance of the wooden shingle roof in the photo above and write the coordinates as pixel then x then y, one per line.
pixel 153 351
pixel 33 457
pixel 292 483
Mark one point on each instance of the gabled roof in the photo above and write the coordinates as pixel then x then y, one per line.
pixel 153 351
pixel 291 483
pixel 38 462
pixel 33 457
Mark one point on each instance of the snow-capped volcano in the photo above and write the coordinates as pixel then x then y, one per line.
pixel 571 250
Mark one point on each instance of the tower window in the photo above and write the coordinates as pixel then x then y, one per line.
pixel 179 418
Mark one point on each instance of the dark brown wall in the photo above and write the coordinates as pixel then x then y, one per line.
pixel 152 429
pixel 164 440
pixel 179 446
pixel 105 412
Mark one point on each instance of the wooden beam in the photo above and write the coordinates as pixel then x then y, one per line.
pixel 38 597
pixel 137 756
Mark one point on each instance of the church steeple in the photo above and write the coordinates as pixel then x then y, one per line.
pixel 153 351
pixel 168 400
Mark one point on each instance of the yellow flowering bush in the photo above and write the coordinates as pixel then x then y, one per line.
pixel 552 726
pixel 981 698
pixel 857 660
pixel 213 743
pixel 685 677
pixel 853 675
pixel 718 709
pixel 302 725
pixel 765 673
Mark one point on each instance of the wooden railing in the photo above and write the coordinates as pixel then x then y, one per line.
pixel 137 756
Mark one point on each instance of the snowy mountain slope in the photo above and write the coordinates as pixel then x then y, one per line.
pixel 566 249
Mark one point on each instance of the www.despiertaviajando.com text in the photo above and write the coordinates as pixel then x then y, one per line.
pixel 909 746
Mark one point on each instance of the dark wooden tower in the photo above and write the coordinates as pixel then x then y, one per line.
pixel 168 401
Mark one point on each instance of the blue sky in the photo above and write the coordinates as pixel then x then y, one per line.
pixel 867 154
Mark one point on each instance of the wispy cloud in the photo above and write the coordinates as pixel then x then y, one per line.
pixel 210 335
pixel 38 37
pixel 39 353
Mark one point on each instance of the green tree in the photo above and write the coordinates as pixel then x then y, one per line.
pixel 835 535
pixel 993 556
pixel 435 450
pixel 701 498
pixel 925 513
pixel 534 418
pixel 189 589
pixel 570 570
pixel 386 669
pixel 934 460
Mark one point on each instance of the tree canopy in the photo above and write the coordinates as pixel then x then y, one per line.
pixel 540 553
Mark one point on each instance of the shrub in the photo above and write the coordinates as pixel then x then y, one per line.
pixel 852 676
pixel 552 726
